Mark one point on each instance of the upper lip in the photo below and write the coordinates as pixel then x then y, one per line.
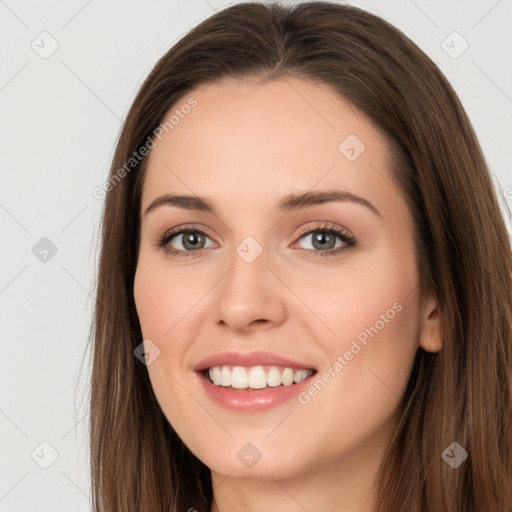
pixel 249 359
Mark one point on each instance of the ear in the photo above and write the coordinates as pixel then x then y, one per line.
pixel 431 339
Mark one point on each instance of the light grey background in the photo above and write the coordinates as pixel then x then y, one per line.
pixel 61 117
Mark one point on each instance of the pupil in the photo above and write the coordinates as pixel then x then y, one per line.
pixel 323 239
pixel 192 240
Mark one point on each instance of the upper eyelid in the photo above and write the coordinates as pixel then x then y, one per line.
pixel 180 230
pixel 321 225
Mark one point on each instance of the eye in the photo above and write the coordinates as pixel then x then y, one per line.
pixel 327 240
pixel 184 241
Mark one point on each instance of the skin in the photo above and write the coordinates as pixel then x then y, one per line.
pixel 245 146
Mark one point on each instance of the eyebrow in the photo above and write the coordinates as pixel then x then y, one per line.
pixel 287 203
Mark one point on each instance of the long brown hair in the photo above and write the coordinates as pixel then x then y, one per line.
pixel 462 394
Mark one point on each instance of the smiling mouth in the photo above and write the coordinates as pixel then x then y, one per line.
pixel 243 378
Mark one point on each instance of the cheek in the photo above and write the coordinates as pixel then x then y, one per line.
pixel 372 310
pixel 163 296
pixel 369 359
pixel 378 288
pixel 163 302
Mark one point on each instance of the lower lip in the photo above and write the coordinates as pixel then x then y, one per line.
pixel 251 400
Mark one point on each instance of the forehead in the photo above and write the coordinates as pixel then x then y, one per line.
pixel 251 138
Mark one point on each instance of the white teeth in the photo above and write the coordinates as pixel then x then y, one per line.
pixel 225 376
pixel 287 377
pixel 273 377
pixel 301 375
pixel 239 378
pixel 215 375
pixel 256 377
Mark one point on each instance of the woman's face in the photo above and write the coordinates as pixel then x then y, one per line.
pixel 276 279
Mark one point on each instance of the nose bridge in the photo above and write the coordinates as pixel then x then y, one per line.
pixel 248 267
pixel 248 292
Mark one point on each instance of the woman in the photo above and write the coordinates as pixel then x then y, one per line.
pixel 340 338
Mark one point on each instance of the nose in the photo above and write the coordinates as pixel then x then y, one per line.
pixel 250 296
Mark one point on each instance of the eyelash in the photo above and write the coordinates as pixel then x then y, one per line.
pixel 325 227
